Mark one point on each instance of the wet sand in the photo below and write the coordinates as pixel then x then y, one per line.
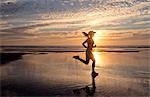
pixel 58 74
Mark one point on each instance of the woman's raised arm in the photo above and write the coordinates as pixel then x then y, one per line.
pixel 84 43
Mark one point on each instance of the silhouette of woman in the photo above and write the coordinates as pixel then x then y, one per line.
pixel 89 54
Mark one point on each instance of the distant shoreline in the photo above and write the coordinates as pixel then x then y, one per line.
pixel 59 46
pixel 27 48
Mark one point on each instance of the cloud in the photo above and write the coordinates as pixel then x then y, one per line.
pixel 6 1
pixel 27 19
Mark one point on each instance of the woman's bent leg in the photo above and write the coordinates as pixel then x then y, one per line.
pixel 82 60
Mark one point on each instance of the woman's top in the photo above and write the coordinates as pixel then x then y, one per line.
pixel 90 43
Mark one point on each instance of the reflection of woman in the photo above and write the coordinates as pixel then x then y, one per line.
pixel 89 54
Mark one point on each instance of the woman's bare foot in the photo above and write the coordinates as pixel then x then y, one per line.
pixel 76 57
pixel 94 74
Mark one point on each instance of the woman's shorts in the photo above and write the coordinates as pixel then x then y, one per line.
pixel 89 55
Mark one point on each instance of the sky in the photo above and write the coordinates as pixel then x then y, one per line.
pixel 61 22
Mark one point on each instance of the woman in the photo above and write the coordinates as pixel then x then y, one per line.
pixel 89 54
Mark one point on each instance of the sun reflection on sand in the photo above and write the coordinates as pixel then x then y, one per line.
pixel 97 56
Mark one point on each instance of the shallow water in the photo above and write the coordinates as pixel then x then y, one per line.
pixel 120 74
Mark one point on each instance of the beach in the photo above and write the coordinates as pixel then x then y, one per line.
pixel 57 74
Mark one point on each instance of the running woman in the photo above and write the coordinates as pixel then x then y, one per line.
pixel 89 47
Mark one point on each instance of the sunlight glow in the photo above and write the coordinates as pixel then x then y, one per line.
pixel 99 36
